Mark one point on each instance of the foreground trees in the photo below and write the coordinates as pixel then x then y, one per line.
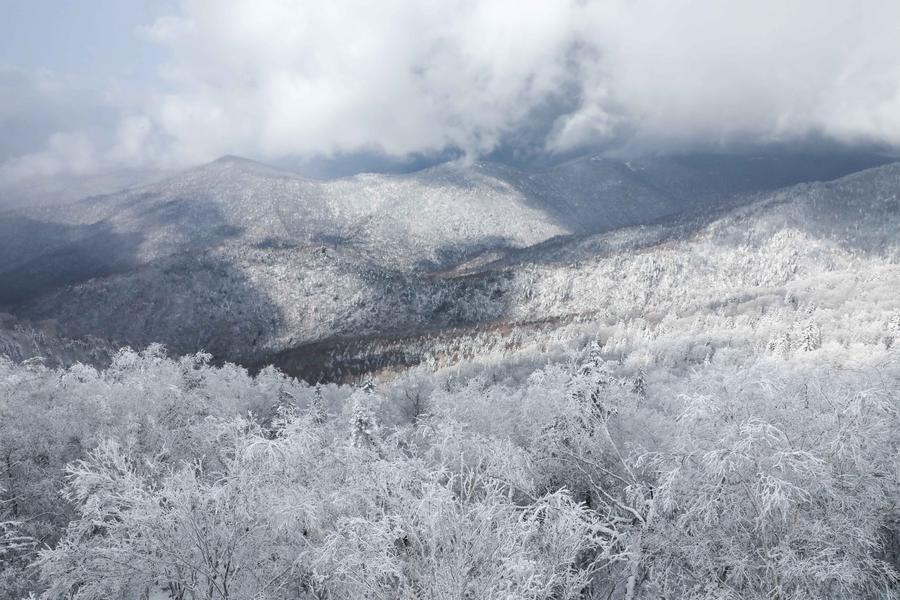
pixel 775 479
pixel 305 514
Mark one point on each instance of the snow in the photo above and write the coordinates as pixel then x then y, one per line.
pixel 700 404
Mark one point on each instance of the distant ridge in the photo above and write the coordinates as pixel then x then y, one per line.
pixel 243 259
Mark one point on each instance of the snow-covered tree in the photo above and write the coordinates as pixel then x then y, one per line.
pixel 810 337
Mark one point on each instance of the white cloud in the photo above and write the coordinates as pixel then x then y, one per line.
pixel 304 78
pixel 60 140
pixel 65 153
pixel 283 77
pixel 275 78
pixel 131 142
pixel 688 72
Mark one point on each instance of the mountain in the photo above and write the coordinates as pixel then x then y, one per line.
pixel 822 255
pixel 245 260
pixel 607 376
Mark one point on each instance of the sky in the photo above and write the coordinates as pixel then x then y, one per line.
pixel 94 87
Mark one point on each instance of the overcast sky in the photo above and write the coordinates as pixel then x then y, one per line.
pixel 94 86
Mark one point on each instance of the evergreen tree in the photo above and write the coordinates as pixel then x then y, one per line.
pixel 363 421
pixel 317 407
pixel 810 337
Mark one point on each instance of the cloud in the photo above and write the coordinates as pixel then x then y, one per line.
pixel 60 140
pixel 397 77
pixel 65 153
pixel 403 76
pixel 693 72
pixel 34 106
pixel 310 79
pixel 51 125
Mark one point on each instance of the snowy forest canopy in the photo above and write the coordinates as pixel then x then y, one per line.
pixel 702 407
pixel 609 470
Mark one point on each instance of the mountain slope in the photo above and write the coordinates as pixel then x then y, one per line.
pixel 426 221
pixel 245 260
pixel 245 301
pixel 815 257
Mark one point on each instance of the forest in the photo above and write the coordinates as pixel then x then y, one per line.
pixel 461 300
pixel 703 408
pixel 595 468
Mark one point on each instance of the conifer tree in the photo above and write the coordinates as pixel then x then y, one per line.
pixel 810 337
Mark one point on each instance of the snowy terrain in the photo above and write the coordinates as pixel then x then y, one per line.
pixel 661 378
pixel 240 259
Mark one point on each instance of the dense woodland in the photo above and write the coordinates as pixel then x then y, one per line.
pixel 698 409
pixel 773 474
pixel 473 300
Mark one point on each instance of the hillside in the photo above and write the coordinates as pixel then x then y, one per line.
pixel 822 255
pixel 569 415
pixel 429 220
pixel 247 301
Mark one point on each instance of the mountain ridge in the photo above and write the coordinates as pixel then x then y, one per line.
pixel 245 301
